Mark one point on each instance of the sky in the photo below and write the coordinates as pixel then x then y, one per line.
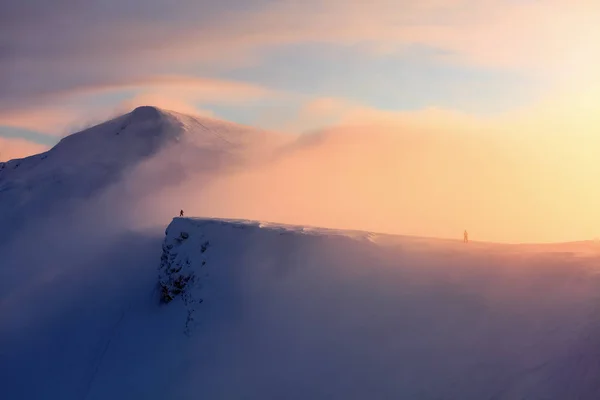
pixel 519 76
pixel 70 63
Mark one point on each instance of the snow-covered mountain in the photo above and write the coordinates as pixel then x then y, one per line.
pixel 164 144
pixel 95 304
pixel 260 310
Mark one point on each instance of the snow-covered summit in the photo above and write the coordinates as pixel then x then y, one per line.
pixel 143 131
pixel 147 113
pixel 140 133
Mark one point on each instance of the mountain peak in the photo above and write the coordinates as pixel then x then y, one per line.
pixel 146 113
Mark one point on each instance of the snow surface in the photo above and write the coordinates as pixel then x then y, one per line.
pixel 292 312
pixel 270 310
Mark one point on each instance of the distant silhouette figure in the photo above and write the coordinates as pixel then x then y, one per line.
pixel 466 237
pixel 181 213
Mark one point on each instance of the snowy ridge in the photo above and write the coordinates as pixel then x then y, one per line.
pixel 261 310
pixel 387 316
pixel 581 248
pixel 277 227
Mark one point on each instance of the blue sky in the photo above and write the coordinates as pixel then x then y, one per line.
pixel 412 79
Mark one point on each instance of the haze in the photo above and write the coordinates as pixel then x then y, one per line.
pixel 406 179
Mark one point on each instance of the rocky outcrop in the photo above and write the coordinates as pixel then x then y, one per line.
pixel 179 277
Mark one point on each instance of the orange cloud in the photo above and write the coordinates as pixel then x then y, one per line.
pixel 49 120
pixel 18 148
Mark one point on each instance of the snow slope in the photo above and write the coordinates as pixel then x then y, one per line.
pixel 306 313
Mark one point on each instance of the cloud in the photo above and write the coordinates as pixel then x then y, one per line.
pixel 46 119
pixel 314 113
pixel 109 43
pixel 84 48
pixel 166 102
pixel 493 33
pixel 174 92
pixel 564 113
pixel 207 90
pixel 11 148
pixel 322 112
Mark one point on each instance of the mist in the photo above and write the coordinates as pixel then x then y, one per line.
pixel 402 180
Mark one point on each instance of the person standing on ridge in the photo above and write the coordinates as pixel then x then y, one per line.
pixel 181 213
pixel 466 237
